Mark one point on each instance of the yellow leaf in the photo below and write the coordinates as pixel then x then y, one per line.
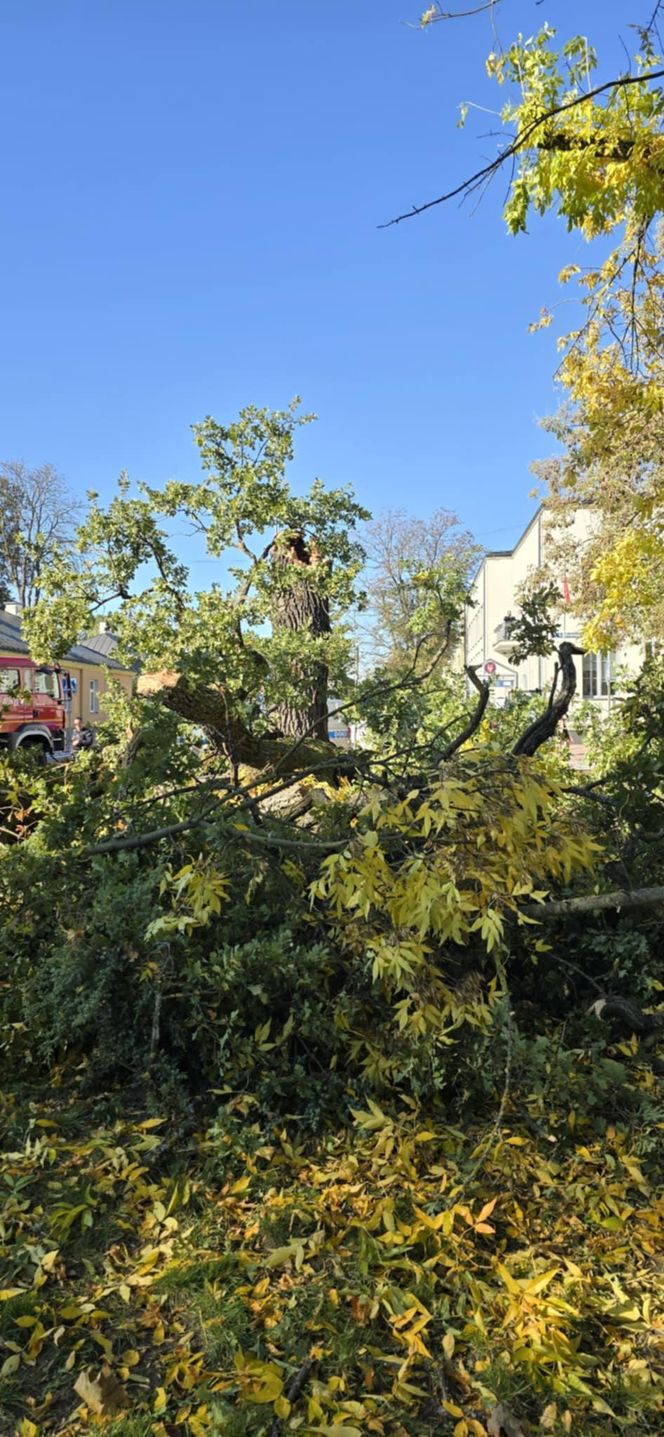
pixel 461 1429
pixel 130 1358
pixel 27 1428
pixel 549 1417
pixel 160 1401
pixel 453 1410
pixel 539 1283
pixel 7 1292
pixel 507 1278
pixel 339 1429
pixel 282 1407
pixel 280 1255
pixel 261 1381
pixel 199 1421
pixel 448 1345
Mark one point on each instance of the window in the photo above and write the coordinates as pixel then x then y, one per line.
pixel 9 680
pixel 94 696
pixel 598 675
pixel 46 682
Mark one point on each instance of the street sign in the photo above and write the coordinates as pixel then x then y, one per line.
pixel 490 667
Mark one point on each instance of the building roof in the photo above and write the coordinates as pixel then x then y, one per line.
pixel 101 643
pixel 95 650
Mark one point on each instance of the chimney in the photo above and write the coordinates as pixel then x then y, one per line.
pixel 13 607
pixel 102 627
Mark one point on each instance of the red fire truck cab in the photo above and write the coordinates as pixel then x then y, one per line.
pixel 33 705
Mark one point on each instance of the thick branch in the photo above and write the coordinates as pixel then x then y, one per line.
pixel 596 903
pixel 213 708
pixel 544 726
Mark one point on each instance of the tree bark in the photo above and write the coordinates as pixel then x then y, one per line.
pixel 596 902
pixel 545 725
pixel 302 608
pixel 212 709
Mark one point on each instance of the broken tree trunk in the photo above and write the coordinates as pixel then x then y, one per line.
pixel 301 608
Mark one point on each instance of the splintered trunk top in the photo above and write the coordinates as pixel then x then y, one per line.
pixel 302 608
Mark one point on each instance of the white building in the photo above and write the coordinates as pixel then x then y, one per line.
pixel 494 600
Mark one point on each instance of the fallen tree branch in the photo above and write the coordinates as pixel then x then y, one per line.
pixel 545 725
pixel 596 902
pixel 141 840
pixel 212 707
pixel 475 718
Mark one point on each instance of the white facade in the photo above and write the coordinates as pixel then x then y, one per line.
pixel 493 596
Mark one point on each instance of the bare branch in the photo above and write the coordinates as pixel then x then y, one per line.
pixel 459 14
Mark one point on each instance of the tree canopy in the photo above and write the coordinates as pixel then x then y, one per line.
pixel 591 150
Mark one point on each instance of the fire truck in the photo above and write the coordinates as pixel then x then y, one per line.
pixel 34 705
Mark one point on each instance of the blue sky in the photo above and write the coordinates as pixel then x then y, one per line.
pixel 191 194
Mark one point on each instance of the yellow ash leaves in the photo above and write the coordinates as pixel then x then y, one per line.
pixel 109 1168
pixel 629 579
pixel 429 871
pixel 371 1233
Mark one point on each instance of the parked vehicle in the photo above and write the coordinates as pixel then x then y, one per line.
pixel 33 705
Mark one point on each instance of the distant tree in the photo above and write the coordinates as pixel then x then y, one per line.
pixel 37 519
pixel 419 571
